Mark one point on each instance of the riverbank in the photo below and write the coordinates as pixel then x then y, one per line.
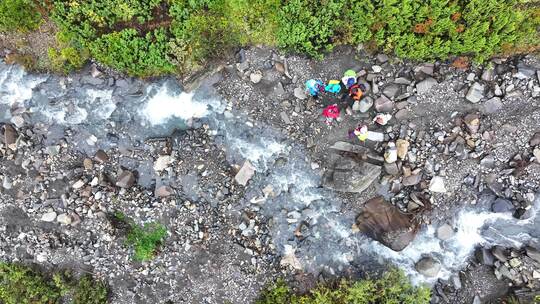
pixel 227 240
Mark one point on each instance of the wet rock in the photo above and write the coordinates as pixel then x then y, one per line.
pixel 64 219
pixel 101 156
pixel 484 256
pixel 428 267
pixel 245 174
pixel 412 180
pixel 402 148
pixel 383 104
pixel 349 175
pixel 299 93
pixel 49 216
pixel 126 179
pixel 425 85
pixel 163 191
pixel 10 137
pixel 533 253
pixel 445 232
pixel 256 77
pixel 501 205
pixel 383 222
pixel 535 140
pixel 472 122
pixel 475 93
pixel 492 106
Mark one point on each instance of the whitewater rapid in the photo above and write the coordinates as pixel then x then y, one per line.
pixel 137 110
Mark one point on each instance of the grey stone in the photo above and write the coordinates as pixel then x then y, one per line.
pixel 391 90
pixel 501 205
pixel 92 80
pixel 242 66
pixel 285 118
pixel 524 71
pixel 476 300
pixel 391 169
pixel 6 182
pixel 349 175
pixel 445 232
pixel 488 74
pixel 384 222
pixel 428 267
pixel 533 253
pixel 425 85
pixel 402 114
pixel 488 161
pixel 456 281
pixel 499 253
pixel 427 68
pixel 382 58
pixel 299 93
pixel 10 136
pixel 365 104
pixel 383 104
pixel 245 174
pixel 348 147
pixel 492 106
pixel 101 156
pixel 412 180
pixel 535 140
pixel 475 93
pixel 376 68
pixel 402 80
pixel 472 121
pixel 126 179
pixel 163 191
pixel 17 120
pixel 49 216
pixel 278 89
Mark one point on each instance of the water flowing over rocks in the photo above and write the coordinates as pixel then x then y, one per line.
pixel 251 183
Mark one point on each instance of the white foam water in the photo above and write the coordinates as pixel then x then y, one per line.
pixel 16 86
pixel 165 105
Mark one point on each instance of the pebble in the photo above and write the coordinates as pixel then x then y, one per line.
pixel 49 216
pixel 391 154
pixel 384 104
pixel 364 105
pixel 492 106
pixel 78 184
pixel 402 148
pixel 376 68
pixel 425 85
pixel 6 182
pixel 475 93
pixel 300 93
pixel 64 219
pixel 87 164
pixel 445 232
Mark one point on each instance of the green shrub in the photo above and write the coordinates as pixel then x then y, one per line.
pixel 145 239
pixel 21 284
pixel 21 15
pixel 392 288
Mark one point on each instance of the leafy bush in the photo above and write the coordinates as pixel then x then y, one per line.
pixel 21 284
pixel 145 239
pixel 21 15
pixel 393 287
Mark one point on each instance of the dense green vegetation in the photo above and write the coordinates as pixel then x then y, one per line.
pixel 21 284
pixel 151 37
pixel 145 239
pixel 19 15
pixel 392 288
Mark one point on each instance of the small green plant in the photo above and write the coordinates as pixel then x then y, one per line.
pixel 145 239
pixel 392 287
pixel 20 284
pixel 20 15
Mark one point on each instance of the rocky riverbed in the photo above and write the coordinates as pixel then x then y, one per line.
pixel 252 185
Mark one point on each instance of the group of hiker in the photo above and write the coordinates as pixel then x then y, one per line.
pixel 347 92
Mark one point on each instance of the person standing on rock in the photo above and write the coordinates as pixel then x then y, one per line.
pixel 314 87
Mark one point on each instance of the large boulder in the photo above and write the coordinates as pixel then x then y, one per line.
pixel 350 175
pixel 384 222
